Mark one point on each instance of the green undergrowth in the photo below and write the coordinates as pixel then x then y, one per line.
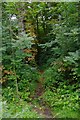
pixel 63 102
pixel 25 86
pixel 61 84
pixel 16 103
pixel 18 109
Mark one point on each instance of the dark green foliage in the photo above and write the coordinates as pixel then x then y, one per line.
pixel 62 101
pixel 22 75
pixel 50 29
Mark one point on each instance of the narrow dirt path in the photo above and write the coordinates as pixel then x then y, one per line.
pixel 41 107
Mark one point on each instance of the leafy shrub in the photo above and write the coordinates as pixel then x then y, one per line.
pixel 64 69
pixel 63 100
pixel 23 75
pixel 52 77
pixel 18 110
pixel 71 62
pixel 26 85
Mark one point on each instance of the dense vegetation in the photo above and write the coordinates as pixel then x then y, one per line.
pixel 40 48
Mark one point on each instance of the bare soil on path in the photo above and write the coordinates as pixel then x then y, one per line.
pixel 41 107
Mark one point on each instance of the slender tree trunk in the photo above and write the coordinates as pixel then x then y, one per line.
pixel 21 13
